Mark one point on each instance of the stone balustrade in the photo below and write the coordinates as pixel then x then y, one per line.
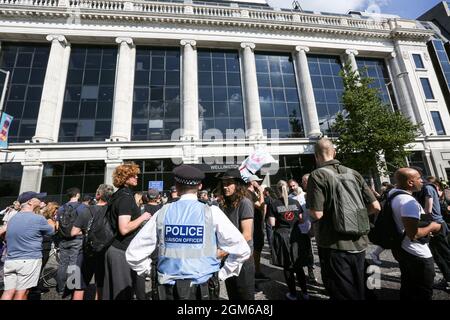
pixel 205 11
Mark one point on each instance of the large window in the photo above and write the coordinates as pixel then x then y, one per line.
pixel 219 90
pixel 27 64
pixel 10 177
pixel 443 66
pixel 328 88
pixel 89 95
pixel 376 69
pixel 438 125
pixel 278 95
pixel 60 176
pixel 156 100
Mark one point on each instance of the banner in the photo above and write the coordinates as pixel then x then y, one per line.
pixel 5 124
pixel 254 162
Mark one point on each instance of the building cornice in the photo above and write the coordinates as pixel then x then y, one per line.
pixel 145 12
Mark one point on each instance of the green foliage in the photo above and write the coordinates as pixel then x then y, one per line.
pixel 368 129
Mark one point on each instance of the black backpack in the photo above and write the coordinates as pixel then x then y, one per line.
pixel 66 220
pixel 385 232
pixel 100 232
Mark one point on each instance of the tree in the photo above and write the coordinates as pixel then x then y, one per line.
pixel 369 131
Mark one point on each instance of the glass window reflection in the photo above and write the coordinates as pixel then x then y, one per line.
pixel 89 94
pixel 156 99
pixel 277 86
pixel 220 91
pixel 27 65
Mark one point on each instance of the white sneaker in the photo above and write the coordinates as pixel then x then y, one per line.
pixel 291 297
pixel 375 259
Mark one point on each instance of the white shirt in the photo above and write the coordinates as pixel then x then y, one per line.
pixel 306 225
pixel 404 205
pixel 8 214
pixel 229 239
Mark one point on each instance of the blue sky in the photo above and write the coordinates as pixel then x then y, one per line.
pixel 410 9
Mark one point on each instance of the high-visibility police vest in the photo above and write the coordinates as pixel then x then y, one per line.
pixel 186 242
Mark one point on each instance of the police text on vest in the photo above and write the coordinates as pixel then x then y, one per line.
pixel 183 234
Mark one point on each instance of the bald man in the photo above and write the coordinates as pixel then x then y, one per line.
pixel 341 255
pixel 414 255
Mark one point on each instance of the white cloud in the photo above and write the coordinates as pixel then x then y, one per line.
pixel 333 6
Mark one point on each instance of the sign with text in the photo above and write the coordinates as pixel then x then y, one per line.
pixel 158 185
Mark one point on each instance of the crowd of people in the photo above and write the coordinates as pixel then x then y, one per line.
pixel 186 244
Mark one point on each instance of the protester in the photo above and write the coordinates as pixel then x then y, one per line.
pixel 93 262
pixel 187 264
pixel 9 212
pixel 284 215
pixel 239 209
pixel 153 204
pixel 255 193
pixel 305 245
pixel 269 195
pixel 429 199
pixel 173 194
pixel 49 213
pixel 70 247
pixel 341 254
pixel 414 256
pixel 121 283
pixel 24 238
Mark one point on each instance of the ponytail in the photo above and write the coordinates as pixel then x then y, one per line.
pixel 282 190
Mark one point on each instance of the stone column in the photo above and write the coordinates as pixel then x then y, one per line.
pixel 350 57
pixel 32 171
pixel 189 109
pixel 308 102
pixel 404 99
pixel 113 160
pixel 253 122
pixel 123 92
pixel 429 159
pixel 109 169
pixel 31 177
pixel 50 110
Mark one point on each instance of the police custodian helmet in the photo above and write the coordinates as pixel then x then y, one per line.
pixel 188 175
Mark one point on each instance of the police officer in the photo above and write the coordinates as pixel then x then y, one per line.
pixel 191 237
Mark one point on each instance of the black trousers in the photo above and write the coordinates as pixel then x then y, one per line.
pixel 242 287
pixel 343 274
pixel 417 276
pixel 441 254
pixel 183 290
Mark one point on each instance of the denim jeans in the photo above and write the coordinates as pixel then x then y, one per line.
pixel 70 254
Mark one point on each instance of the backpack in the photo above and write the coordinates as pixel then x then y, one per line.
pixel 100 233
pixel 349 215
pixel 385 232
pixel 66 220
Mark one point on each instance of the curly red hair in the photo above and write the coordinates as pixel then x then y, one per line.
pixel 123 172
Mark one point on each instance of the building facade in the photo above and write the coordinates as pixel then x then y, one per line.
pixel 96 83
